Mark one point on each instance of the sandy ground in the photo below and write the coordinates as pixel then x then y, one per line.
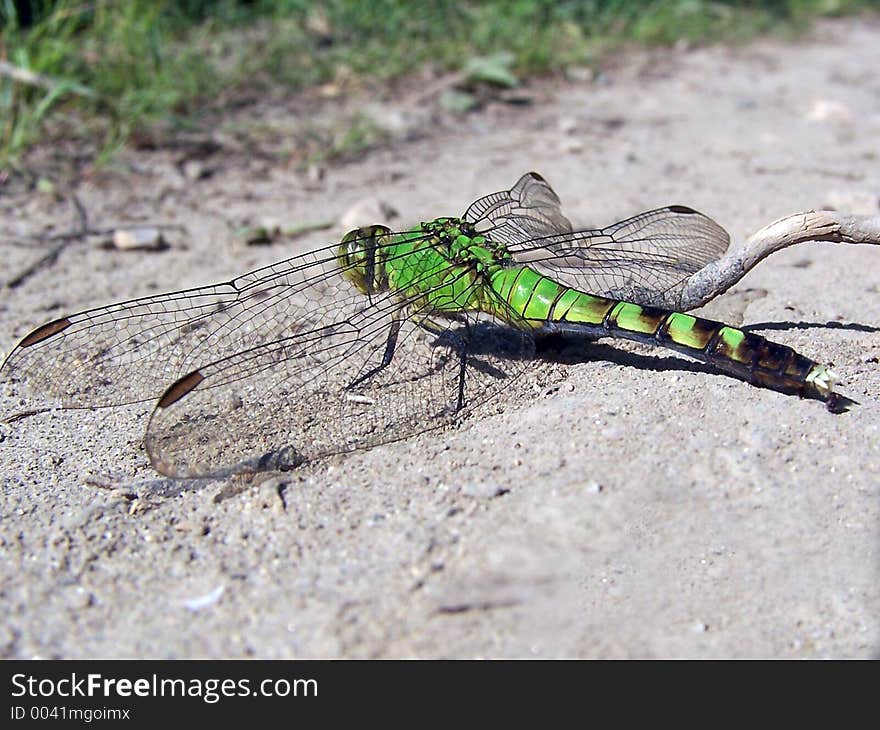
pixel 621 506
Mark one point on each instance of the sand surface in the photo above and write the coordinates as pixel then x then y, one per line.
pixel 623 505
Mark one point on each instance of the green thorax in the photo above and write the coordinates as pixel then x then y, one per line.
pixel 460 243
pixel 444 262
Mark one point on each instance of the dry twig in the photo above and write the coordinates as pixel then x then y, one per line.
pixel 814 225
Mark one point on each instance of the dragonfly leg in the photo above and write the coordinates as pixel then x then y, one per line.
pixel 460 344
pixel 436 327
pixel 387 357
pixel 461 372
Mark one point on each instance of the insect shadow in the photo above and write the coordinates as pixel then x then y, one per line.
pixel 569 350
pixel 487 339
pixel 853 326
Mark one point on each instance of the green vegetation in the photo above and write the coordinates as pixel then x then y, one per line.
pixel 105 69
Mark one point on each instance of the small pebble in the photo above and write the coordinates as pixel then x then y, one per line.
pixel 195 170
pixel 138 239
pixel 829 110
pixel 200 602
pixel 367 212
pixel 483 491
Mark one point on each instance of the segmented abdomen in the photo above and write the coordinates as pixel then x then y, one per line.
pixel 547 305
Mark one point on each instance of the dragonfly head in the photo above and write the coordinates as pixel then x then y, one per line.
pixel 357 257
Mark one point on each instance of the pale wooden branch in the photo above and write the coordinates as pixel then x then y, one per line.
pixel 814 225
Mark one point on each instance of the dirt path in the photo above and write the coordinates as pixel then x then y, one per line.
pixel 623 506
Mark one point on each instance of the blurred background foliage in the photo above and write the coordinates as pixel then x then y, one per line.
pixel 104 69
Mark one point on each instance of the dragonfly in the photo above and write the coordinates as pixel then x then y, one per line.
pixel 386 334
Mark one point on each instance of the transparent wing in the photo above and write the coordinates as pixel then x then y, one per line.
pixel 645 259
pixel 131 351
pixel 306 396
pixel 283 365
pixel 529 210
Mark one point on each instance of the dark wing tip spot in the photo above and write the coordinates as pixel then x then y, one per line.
pixel 683 209
pixel 180 389
pixel 45 332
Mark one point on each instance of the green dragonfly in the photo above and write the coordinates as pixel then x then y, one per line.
pixel 388 334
